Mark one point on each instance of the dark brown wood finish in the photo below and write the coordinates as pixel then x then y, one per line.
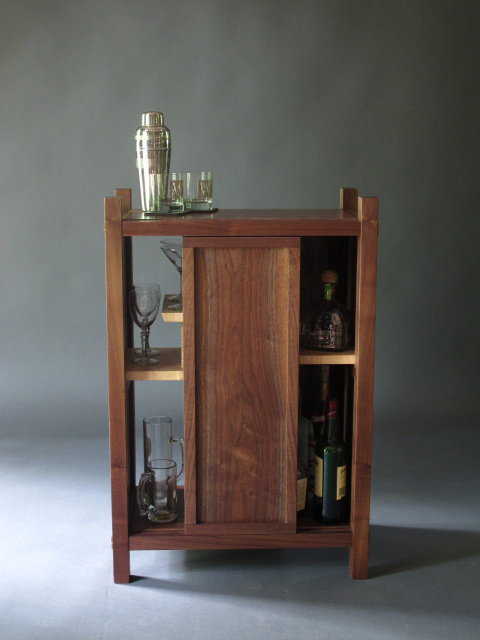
pixel 245 296
pixel 144 535
pixel 261 246
pixel 363 390
pixel 120 439
pixel 246 222
pixel 127 282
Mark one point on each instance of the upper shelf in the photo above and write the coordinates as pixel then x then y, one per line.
pixel 245 222
pixel 305 356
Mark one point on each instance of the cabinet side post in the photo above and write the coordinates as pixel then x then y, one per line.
pixel 349 199
pixel 126 196
pixel 189 373
pixel 363 396
pixel 117 405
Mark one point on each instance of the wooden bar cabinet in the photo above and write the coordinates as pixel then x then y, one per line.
pixel 246 276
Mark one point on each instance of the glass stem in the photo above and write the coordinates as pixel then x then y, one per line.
pixel 144 339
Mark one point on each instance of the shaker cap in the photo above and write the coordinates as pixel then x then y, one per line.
pixel 152 118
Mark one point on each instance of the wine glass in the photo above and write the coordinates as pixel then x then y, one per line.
pixel 173 251
pixel 144 303
pixel 150 352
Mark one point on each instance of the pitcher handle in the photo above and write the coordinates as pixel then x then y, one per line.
pixel 180 441
pixel 142 493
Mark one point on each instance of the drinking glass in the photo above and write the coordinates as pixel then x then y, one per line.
pixel 150 352
pixel 157 491
pixel 197 190
pixel 173 251
pixel 158 439
pixel 144 303
pixel 172 188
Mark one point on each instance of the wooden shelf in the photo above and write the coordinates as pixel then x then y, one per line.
pixel 323 357
pixel 245 222
pixel 145 535
pixel 168 368
pixel 170 315
pixel 305 356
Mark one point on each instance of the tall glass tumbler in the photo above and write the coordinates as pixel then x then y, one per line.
pixel 153 149
pixel 158 439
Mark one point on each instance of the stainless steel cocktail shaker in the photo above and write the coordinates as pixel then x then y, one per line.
pixel 153 160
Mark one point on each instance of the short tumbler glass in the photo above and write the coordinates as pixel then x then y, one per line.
pixel 172 193
pixel 198 190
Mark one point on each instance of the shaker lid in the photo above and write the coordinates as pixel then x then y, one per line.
pixel 152 118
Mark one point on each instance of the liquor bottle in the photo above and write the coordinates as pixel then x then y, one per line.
pixel 328 323
pixel 331 473
pixel 306 452
pixel 302 481
pixel 304 427
pixel 318 415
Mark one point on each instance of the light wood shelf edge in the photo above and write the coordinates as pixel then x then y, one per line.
pixel 170 315
pixel 307 356
pixel 169 366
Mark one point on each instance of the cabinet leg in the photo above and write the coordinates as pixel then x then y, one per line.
pixel 358 559
pixel 121 564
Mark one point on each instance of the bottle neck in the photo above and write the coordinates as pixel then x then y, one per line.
pixel 331 429
pixel 331 420
pixel 328 292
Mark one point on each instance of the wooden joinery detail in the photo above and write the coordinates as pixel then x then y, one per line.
pixel 349 199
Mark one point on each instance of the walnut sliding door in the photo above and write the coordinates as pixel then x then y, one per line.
pixel 241 306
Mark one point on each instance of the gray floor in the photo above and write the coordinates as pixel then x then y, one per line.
pixel 56 574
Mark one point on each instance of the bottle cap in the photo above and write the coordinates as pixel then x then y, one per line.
pixel 332 406
pixel 329 276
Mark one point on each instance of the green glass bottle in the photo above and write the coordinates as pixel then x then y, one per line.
pixel 331 473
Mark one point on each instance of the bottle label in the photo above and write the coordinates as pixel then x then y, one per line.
pixel 301 493
pixel 318 477
pixel 311 463
pixel 341 482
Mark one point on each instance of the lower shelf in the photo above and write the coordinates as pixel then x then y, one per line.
pixel 144 535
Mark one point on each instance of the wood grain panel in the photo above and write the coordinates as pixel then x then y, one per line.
pixel 247 223
pixel 246 318
pixel 363 394
pixel 118 402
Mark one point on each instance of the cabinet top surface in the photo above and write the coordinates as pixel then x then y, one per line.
pixel 245 222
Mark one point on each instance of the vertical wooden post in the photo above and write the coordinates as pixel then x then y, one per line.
pixel 117 405
pixel 189 384
pixel 127 283
pixel 363 395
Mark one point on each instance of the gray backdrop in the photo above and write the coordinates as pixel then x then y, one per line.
pixel 285 102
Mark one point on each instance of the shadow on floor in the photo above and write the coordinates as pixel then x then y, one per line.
pixel 393 550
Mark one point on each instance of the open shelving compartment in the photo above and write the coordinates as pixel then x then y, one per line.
pixel 279 236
